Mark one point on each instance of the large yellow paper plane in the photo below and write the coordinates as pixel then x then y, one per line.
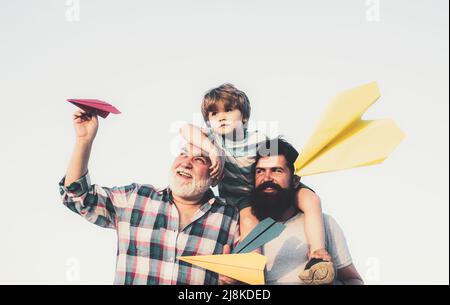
pixel 244 267
pixel 342 140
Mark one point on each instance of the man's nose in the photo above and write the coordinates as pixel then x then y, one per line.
pixel 268 176
pixel 187 162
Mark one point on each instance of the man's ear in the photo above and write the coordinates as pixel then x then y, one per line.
pixel 296 181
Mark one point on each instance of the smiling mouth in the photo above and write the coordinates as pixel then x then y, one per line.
pixel 269 190
pixel 184 174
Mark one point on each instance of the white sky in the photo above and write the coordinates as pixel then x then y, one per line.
pixel 154 59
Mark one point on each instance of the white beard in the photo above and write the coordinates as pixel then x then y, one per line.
pixel 188 189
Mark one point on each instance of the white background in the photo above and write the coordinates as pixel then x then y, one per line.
pixel 155 59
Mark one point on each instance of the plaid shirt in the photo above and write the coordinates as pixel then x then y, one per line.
pixel 149 237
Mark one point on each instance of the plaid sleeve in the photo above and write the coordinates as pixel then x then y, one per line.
pixel 97 204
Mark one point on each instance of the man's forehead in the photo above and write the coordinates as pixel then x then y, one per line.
pixel 271 161
pixel 192 150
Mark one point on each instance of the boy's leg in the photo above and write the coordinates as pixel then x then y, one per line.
pixel 319 269
pixel 247 222
pixel 309 204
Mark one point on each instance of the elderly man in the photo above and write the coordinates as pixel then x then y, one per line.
pixel 274 196
pixel 153 226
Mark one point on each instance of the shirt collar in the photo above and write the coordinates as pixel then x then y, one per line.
pixel 208 197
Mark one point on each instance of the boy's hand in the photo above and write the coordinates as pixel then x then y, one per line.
pixel 86 125
pixel 322 254
pixel 217 162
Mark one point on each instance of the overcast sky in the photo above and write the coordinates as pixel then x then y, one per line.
pixel 155 59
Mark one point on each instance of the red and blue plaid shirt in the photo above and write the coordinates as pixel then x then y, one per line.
pixel 149 237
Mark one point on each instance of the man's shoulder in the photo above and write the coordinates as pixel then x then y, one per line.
pixel 222 204
pixel 330 222
pixel 150 191
pixel 328 218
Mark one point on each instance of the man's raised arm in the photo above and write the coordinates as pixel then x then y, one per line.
pixel 86 126
pixel 99 205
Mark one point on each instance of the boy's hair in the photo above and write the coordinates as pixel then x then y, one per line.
pixel 278 147
pixel 230 96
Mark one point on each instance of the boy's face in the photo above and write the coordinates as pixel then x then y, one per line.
pixel 225 119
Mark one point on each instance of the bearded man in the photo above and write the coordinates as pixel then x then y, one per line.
pixel 287 254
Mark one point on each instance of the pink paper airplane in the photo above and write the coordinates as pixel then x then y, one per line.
pixel 101 108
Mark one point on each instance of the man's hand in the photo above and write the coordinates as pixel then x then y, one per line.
pixel 225 280
pixel 86 125
pixel 199 138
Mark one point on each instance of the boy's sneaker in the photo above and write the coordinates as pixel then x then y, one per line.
pixel 318 272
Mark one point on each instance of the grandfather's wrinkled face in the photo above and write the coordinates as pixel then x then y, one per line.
pixel 189 175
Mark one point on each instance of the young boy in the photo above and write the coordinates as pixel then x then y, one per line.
pixel 226 111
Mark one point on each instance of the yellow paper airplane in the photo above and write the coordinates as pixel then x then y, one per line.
pixel 244 267
pixel 342 140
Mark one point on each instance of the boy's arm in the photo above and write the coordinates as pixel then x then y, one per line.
pixel 309 203
pixel 198 137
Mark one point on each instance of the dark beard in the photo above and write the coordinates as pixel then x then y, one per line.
pixel 271 205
